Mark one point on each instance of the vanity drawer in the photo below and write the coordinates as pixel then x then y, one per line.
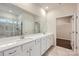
pixel 1 54
pixel 13 51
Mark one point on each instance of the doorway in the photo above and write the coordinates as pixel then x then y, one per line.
pixel 64 29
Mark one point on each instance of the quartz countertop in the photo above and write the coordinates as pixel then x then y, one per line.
pixel 10 42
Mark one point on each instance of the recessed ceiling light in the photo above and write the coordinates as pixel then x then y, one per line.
pixel 46 7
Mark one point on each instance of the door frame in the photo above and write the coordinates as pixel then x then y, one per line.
pixel 74 37
pixel 74 32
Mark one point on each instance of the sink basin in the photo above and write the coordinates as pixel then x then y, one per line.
pixel 9 39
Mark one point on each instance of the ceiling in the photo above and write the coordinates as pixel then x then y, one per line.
pixel 55 5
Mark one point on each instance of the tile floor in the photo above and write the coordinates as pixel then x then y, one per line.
pixel 59 51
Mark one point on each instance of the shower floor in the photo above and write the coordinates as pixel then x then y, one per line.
pixel 63 43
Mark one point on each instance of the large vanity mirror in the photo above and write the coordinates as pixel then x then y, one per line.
pixel 9 24
pixel 15 22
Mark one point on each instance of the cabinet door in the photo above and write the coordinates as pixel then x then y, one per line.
pixel 25 52
pixel 43 45
pixel 51 40
pixel 27 48
pixel 48 42
pixel 1 54
pixel 35 50
pixel 13 51
pixel 32 51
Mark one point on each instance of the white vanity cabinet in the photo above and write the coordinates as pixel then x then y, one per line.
pixel 16 51
pixel 1 53
pixel 28 48
pixel 43 45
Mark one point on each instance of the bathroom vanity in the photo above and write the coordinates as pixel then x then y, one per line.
pixel 30 45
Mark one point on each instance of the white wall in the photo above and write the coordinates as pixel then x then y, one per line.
pixel 64 28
